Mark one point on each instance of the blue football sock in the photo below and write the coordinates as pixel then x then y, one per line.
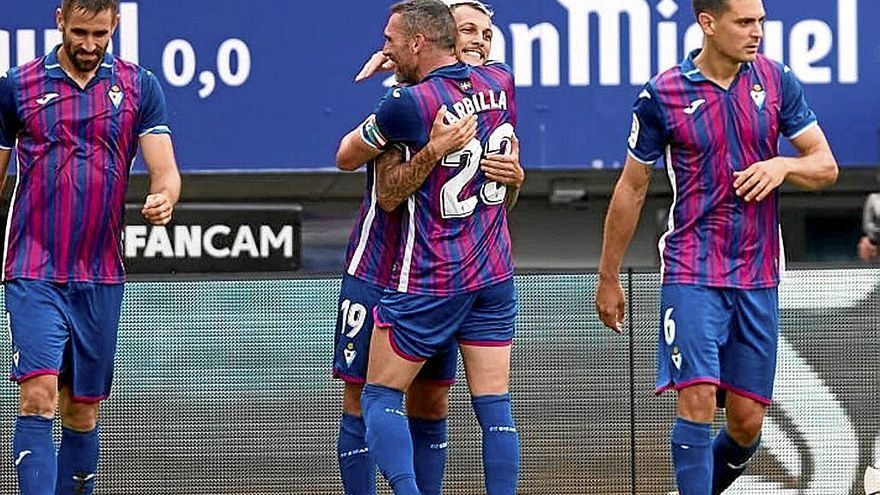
pixel 33 450
pixel 692 456
pixel 388 437
pixel 429 441
pixel 729 460
pixel 500 443
pixel 355 464
pixel 77 462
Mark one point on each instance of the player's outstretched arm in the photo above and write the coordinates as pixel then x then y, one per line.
pixel 164 178
pixel 353 152
pixel 815 168
pixel 396 181
pixel 378 62
pixel 620 225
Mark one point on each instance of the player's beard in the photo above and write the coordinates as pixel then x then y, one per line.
pixel 84 65
pixel 405 77
pixel 405 71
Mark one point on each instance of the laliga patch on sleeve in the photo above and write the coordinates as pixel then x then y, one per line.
pixel 634 132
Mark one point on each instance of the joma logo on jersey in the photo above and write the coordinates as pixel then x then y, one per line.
pixel 476 103
pixel 46 98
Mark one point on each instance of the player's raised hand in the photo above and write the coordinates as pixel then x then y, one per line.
pixel 505 168
pixel 157 209
pixel 449 137
pixel 377 62
pixel 760 179
pixel 611 304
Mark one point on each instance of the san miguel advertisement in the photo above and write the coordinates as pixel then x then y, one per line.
pixel 278 89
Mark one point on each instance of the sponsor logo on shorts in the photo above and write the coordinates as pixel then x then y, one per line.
pixel 676 357
pixel 349 353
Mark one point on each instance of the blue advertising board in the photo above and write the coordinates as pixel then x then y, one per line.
pixel 268 85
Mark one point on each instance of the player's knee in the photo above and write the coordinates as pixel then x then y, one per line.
pixel 489 384
pixel 38 401
pixel 351 399
pixel 80 416
pixel 427 402
pixel 745 428
pixel 745 418
pixel 697 403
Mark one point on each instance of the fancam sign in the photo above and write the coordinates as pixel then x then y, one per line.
pixel 209 238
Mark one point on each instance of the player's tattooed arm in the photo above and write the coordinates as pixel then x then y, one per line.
pixel 506 169
pixel 396 180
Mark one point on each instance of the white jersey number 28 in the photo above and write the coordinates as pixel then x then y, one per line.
pixel 468 159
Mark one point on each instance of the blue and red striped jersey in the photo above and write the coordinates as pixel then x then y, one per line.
pixel 705 133
pixel 373 242
pixel 454 235
pixel 74 148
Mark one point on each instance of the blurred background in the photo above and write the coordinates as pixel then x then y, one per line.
pixel 260 94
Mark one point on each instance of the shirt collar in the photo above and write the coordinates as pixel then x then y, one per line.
pixel 458 70
pixel 690 71
pixel 53 66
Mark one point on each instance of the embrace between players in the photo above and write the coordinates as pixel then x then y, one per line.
pixel 428 272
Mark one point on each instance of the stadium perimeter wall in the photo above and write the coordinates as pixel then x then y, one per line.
pixel 557 222
pixel 223 387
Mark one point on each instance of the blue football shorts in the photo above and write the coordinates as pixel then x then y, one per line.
pixel 422 326
pixel 726 337
pixel 354 327
pixel 65 329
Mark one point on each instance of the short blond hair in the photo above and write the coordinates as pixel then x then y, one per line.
pixel 477 4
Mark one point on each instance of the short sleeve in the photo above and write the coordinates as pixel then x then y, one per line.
pixel 796 116
pixel 647 136
pixel 509 85
pixel 153 111
pixel 399 119
pixel 10 125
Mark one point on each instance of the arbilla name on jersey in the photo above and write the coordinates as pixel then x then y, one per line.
pixel 482 101
pixel 205 240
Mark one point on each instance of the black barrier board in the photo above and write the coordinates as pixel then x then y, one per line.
pixel 215 238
